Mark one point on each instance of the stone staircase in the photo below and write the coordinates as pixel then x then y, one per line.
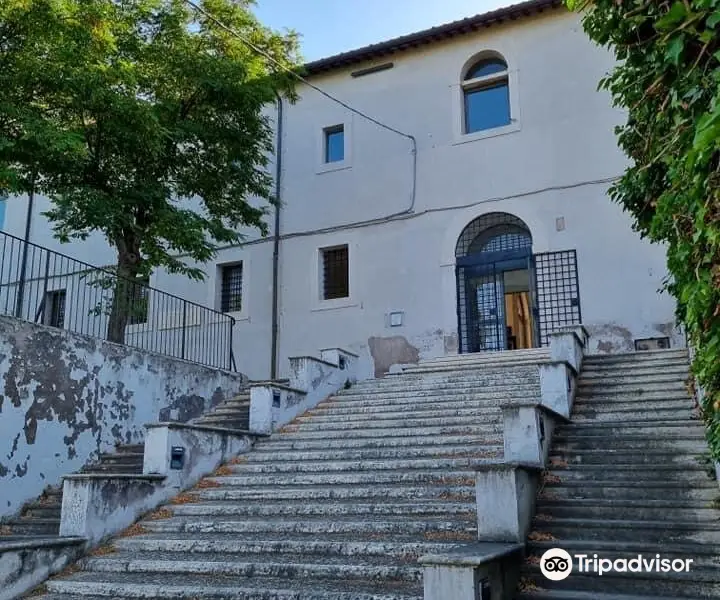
pixel 626 479
pixel 231 414
pixel 41 518
pixel 338 505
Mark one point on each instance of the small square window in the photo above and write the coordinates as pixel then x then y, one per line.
pixel 336 281
pixel 54 314
pixel 231 292
pixel 335 144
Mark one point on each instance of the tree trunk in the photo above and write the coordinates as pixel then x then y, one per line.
pixel 128 267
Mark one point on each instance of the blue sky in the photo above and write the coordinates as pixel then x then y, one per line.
pixel 332 26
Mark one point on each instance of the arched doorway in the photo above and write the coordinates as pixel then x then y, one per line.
pixel 495 285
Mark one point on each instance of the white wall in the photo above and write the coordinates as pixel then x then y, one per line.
pixel 554 161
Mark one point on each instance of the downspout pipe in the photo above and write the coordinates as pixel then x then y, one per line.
pixel 19 301
pixel 276 242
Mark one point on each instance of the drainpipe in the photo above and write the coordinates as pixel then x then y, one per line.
pixel 276 240
pixel 23 264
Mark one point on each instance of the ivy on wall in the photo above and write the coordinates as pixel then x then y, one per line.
pixel 668 80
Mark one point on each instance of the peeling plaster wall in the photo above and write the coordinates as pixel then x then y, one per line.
pixel 65 398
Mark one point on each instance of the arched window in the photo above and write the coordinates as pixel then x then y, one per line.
pixel 486 95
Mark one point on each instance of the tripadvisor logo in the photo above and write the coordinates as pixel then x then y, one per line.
pixel 557 564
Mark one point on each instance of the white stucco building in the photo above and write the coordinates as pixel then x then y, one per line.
pixel 486 230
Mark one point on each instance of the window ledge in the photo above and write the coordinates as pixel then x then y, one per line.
pixel 335 304
pixel 238 316
pixel 487 133
pixel 340 165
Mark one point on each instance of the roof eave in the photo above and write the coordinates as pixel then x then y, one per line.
pixel 430 36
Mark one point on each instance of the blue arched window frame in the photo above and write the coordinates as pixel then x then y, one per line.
pixel 486 95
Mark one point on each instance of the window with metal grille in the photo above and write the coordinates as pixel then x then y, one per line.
pixel 55 308
pixel 231 292
pixel 138 305
pixel 336 281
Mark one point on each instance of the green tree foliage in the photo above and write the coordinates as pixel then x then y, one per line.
pixel 143 120
pixel 668 80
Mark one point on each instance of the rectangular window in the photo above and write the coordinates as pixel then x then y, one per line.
pixel 55 308
pixel 487 107
pixel 3 203
pixel 335 144
pixel 138 306
pixel 336 281
pixel 231 291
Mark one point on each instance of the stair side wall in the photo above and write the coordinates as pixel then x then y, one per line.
pixel 65 398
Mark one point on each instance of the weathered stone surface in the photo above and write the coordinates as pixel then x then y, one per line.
pixel 66 398
pixel 25 563
pixel 337 505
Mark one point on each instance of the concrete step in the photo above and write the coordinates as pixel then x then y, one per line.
pixel 122 458
pixel 114 469
pixel 403 399
pixel 638 510
pixel 287 443
pixel 470 378
pixel 619 416
pixel 613 456
pixel 631 473
pixel 440 476
pixel 654 532
pixel 680 440
pixel 318 526
pixel 429 451
pixel 600 369
pixel 461 388
pixel 35 526
pixel 255 566
pixel 340 409
pixel 233 405
pixel 35 511
pixel 296 433
pixel 130 448
pixel 459 366
pixel 460 490
pixel 502 355
pixel 622 405
pixel 676 491
pixel 224 422
pixel 394 547
pixel 237 413
pixel 431 412
pixel 137 585
pixel 660 356
pixel 698 583
pixel 601 395
pixel 654 428
pixel 409 422
pixel 342 466
pixel 293 508
pixel 632 388
pixel 634 379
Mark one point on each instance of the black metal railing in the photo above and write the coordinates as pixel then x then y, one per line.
pixel 47 287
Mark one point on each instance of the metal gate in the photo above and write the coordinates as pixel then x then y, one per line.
pixel 557 289
pixel 553 288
